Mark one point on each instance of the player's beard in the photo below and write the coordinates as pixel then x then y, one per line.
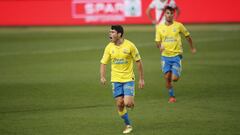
pixel 169 20
pixel 110 38
pixel 113 39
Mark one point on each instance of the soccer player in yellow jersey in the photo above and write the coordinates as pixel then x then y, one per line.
pixel 122 53
pixel 168 40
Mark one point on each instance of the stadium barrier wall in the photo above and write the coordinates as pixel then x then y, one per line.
pixel 101 12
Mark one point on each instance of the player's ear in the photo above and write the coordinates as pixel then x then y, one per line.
pixel 119 35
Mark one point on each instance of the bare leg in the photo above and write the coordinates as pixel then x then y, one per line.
pixel 129 101
pixel 122 111
pixel 119 103
pixel 168 79
pixel 175 78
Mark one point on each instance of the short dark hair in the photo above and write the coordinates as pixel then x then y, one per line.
pixel 169 8
pixel 118 28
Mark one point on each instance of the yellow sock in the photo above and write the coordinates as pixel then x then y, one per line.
pixel 124 115
pixel 122 112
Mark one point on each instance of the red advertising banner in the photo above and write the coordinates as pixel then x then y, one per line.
pixel 106 11
pixel 100 12
pixel 209 11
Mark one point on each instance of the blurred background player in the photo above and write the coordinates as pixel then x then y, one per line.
pixel 159 6
pixel 168 40
pixel 122 53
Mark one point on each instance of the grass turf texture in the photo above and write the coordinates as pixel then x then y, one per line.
pixel 49 83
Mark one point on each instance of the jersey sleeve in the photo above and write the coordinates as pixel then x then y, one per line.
pixel 172 4
pixel 106 56
pixel 158 36
pixel 184 30
pixel 152 4
pixel 134 52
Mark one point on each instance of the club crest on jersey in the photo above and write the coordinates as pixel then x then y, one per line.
pixel 174 30
pixel 125 51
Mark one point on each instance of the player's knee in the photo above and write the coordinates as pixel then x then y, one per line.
pixel 129 104
pixel 120 104
pixel 167 77
pixel 175 78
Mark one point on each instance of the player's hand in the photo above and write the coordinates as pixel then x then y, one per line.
pixel 161 48
pixel 141 83
pixel 193 50
pixel 103 81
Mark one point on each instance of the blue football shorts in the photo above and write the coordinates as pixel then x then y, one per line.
pixel 172 64
pixel 123 89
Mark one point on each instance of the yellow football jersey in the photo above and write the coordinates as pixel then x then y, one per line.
pixel 122 58
pixel 170 38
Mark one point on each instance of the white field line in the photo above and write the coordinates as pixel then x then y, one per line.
pixel 87 48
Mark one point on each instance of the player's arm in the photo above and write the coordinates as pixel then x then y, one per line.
pixel 141 82
pixel 185 32
pixel 158 39
pixel 177 11
pixel 189 39
pixel 136 57
pixel 159 45
pixel 148 12
pixel 103 73
pixel 105 59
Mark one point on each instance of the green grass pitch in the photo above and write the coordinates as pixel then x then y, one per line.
pixel 49 83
